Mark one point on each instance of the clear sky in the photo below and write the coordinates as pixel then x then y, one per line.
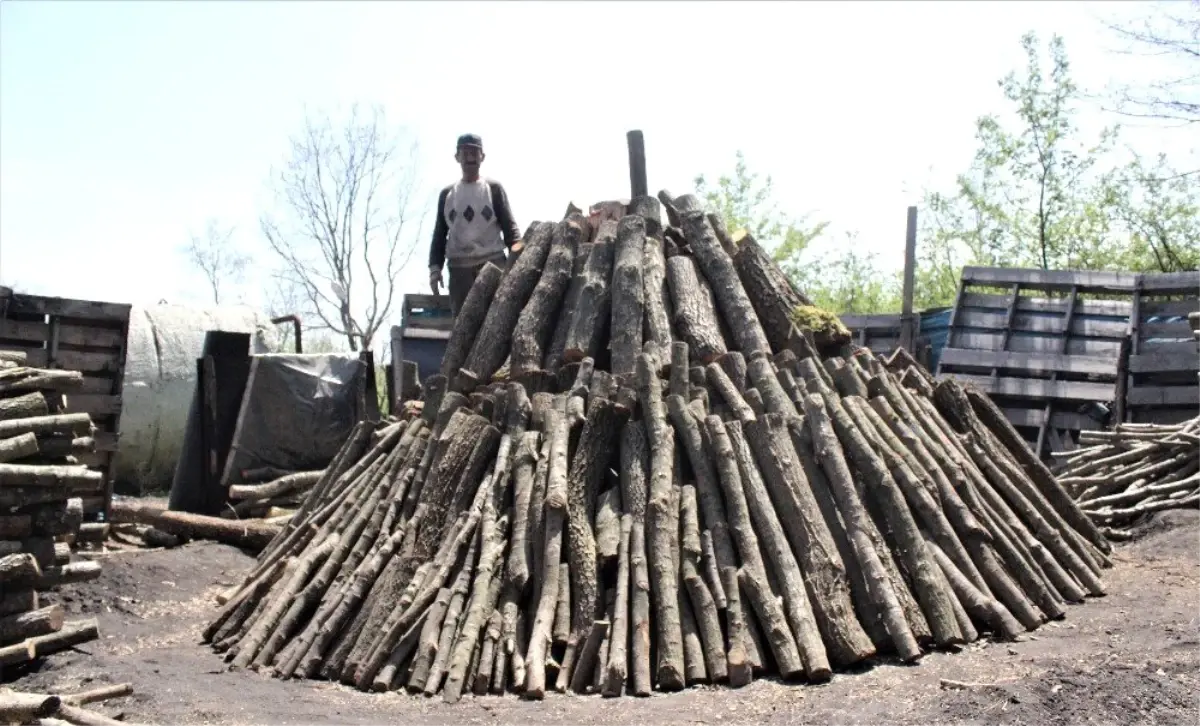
pixel 123 126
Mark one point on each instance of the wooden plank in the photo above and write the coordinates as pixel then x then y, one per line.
pixel 1028 323
pixel 1091 280
pixel 884 321
pixel 1032 362
pixel 1031 343
pixel 1178 357
pixel 1169 308
pixel 1039 388
pixel 38 305
pixel 74 360
pixel 1032 418
pixel 1026 304
pixel 1165 416
pixel 1165 396
pixel 69 334
pixel 427 333
pixel 95 404
pixel 1178 329
pixel 1167 283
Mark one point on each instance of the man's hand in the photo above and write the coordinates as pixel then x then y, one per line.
pixel 513 253
pixel 435 280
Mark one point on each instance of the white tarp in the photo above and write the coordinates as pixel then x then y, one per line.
pixel 160 376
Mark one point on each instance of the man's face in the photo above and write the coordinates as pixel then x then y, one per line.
pixel 469 158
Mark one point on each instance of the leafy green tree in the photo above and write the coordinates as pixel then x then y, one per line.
pixel 745 200
pixel 1029 198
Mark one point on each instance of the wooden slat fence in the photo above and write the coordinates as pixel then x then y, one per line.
pixel 1164 357
pixel 79 335
pixel 1046 345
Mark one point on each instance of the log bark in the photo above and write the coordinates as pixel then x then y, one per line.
pixel 536 325
pixel 64 423
pixel 34 379
pixel 492 343
pixel 470 319
pixel 791 659
pixel 656 298
pixel 660 533
pixel 18 570
pixel 298 481
pixel 770 291
pixel 590 316
pixel 557 433
pixel 634 467
pixel 910 546
pixel 74 478
pixel 628 296
pixel 28 405
pixel 829 452
pixel 597 443
pixel 18 447
pixel 760 517
pixel 240 533
pixel 993 418
pixel 617 668
pixel 695 310
pixel 708 488
pixel 730 295
pixel 31 624
pixel 18 707
pixel 812 543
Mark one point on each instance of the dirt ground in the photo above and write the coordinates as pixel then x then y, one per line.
pixel 1132 657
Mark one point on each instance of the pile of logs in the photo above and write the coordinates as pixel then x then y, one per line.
pixel 1119 476
pixel 269 494
pixel 635 473
pixel 156 526
pixel 39 709
pixel 28 630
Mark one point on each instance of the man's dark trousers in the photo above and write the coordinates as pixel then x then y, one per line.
pixel 461 279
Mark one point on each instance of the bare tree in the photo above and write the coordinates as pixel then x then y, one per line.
pixel 1170 31
pixel 346 225
pixel 217 258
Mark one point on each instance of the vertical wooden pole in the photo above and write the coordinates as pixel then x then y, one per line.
pixel 907 320
pixel 638 185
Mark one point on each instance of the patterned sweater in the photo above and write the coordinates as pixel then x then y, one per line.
pixel 474 223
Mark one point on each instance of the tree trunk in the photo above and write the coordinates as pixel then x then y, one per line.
pixel 656 300
pixel 590 316
pixel 628 296
pixel 695 310
pixel 29 405
pixel 770 291
pixel 491 345
pixel 727 288
pixel 536 324
pixel 470 319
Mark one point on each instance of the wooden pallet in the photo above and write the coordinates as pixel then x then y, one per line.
pixel 425 326
pixel 1045 345
pixel 1164 357
pixel 79 335
pixel 879 333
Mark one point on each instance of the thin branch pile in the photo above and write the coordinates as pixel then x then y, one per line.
pixel 1120 476
pixel 635 473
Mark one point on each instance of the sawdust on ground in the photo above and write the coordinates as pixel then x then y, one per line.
pixel 1132 657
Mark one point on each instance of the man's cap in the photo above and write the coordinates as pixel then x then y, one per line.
pixel 470 140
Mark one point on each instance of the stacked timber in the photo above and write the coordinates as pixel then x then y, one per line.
pixel 1120 476
pixel 41 483
pixel 636 473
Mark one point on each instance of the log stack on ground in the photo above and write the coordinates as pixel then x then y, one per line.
pixel 42 709
pixel 1119 477
pixel 676 486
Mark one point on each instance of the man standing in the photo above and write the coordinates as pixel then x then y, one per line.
pixel 474 226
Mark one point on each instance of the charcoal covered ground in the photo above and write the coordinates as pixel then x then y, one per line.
pixel 1132 657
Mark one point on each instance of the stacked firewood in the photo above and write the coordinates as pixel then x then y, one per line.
pixel 672 484
pixel 1119 476
pixel 40 709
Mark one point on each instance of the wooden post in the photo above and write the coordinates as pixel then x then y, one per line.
pixel 638 185
pixel 907 321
